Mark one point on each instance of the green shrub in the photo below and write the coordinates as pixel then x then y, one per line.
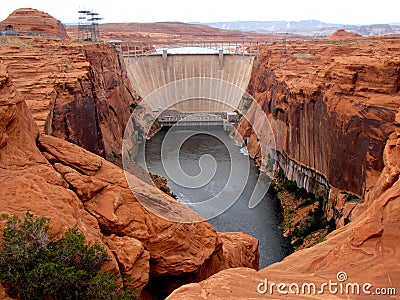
pixel 300 193
pixel 322 202
pixel 314 222
pixel 280 174
pixel 353 198
pixel 290 186
pixel 33 266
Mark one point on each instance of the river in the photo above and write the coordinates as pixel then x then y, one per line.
pixel 216 156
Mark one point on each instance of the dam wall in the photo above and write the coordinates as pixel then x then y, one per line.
pixel 190 82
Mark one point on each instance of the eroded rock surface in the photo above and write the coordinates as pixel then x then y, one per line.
pixel 133 259
pixel 240 250
pixel 77 92
pixel 331 105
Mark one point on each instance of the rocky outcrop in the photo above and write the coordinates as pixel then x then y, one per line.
pixel 342 34
pixel 77 92
pixel 391 171
pixel 29 21
pixel 49 176
pixel 29 182
pixel 105 194
pixel 240 250
pixel 133 259
pixel 362 254
pixel 331 106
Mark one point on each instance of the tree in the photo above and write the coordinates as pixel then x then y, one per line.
pixel 34 266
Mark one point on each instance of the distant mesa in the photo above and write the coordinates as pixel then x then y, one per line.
pixel 31 22
pixel 342 34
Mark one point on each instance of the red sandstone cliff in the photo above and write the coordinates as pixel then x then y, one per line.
pixel 78 92
pixel 331 105
pixel 29 21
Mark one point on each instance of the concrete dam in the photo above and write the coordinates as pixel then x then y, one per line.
pixel 190 83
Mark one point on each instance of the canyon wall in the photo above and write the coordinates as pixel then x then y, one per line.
pixel 78 92
pixel 51 177
pixel 331 105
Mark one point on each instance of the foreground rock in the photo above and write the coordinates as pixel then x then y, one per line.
pixel 29 183
pixel 51 177
pixel 175 248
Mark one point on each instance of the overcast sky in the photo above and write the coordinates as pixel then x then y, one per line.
pixel 337 11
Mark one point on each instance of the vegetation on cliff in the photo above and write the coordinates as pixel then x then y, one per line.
pixel 161 183
pixel 34 266
pixel 304 220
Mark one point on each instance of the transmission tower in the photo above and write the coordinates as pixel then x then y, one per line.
pixel 284 55
pixel 88 26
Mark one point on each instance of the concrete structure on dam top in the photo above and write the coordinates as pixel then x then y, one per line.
pixel 190 80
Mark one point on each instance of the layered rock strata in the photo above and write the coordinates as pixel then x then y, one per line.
pixel 77 92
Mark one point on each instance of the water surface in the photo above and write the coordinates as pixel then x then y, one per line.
pixel 217 155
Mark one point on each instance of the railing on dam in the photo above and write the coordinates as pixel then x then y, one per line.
pixel 245 48
pixel 170 117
